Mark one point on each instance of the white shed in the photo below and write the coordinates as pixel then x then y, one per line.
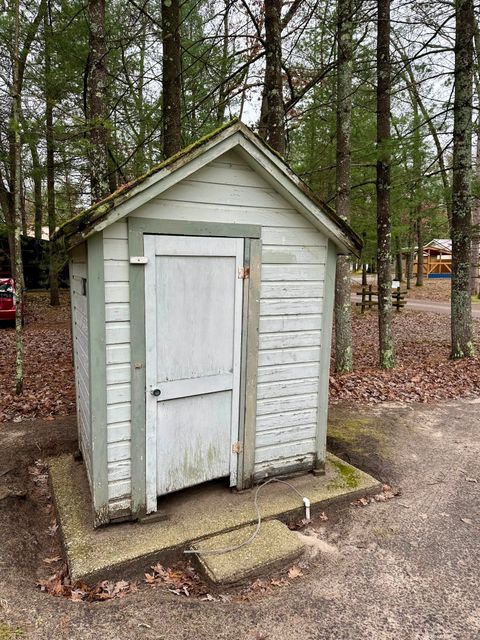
pixel 202 299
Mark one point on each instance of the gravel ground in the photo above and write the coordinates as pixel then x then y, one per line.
pixel 402 569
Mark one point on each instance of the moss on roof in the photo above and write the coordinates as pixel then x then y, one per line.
pixel 100 209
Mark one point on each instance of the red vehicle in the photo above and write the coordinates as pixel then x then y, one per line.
pixel 8 299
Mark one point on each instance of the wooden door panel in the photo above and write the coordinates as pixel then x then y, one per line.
pixel 193 441
pixel 193 309
pixel 195 321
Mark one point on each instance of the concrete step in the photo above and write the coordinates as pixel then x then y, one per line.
pixel 274 547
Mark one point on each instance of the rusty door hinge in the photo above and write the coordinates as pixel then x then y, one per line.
pixel 244 273
pixel 237 447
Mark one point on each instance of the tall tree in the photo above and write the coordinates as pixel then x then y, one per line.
pixel 274 115
pixel 343 314
pixel 50 153
pixel 97 80
pixel 384 223
pixel 16 110
pixel 461 316
pixel 475 257
pixel 171 78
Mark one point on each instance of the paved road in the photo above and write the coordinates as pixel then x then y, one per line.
pixel 430 306
pixel 437 307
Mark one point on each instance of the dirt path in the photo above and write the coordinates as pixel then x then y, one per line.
pixel 402 569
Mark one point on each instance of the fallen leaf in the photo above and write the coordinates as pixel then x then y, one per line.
pixel 77 595
pixel 281 582
pixel 52 560
pixel 294 572
pixel 467 520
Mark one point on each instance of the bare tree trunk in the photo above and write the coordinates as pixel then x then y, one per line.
pixel 461 316
pixel 343 305
pixel 222 95
pixel 97 81
pixel 37 172
pixel 475 257
pixel 172 77
pixel 398 260
pixel 50 143
pixel 17 208
pixel 273 113
pixel 384 231
pixel 474 260
pixel 411 251
pixel 420 258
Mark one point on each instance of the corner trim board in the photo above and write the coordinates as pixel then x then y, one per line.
pixel 137 368
pixel 97 358
pixel 325 350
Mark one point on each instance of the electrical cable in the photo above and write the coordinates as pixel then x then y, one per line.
pixel 252 537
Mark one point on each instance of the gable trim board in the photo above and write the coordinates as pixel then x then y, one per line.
pixel 178 168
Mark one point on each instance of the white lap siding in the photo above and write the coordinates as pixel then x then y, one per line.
pixel 78 279
pixel 117 337
pixel 293 263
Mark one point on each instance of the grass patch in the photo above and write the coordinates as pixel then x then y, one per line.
pixel 7 632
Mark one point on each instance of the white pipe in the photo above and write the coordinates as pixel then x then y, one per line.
pixel 306 502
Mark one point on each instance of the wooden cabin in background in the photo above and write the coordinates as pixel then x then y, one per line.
pixel 437 259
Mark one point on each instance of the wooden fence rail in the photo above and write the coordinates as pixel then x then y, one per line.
pixel 370 298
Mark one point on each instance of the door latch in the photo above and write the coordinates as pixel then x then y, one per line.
pixel 155 392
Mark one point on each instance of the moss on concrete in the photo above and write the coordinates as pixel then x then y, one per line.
pixel 192 515
pixel 347 473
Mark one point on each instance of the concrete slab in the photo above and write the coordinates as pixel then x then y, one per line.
pixel 274 547
pixel 125 550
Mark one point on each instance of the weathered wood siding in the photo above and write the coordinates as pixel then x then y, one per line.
pixel 117 331
pixel 78 277
pixel 293 263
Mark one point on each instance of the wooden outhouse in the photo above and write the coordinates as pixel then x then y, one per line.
pixel 202 300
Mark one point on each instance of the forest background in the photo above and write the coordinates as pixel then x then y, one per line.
pixel 374 104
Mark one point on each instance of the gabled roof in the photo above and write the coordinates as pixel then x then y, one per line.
pixel 443 244
pixel 178 167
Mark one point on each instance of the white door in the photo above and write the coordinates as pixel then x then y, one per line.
pixel 193 318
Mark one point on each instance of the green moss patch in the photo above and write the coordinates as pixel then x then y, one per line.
pixel 360 435
pixel 348 474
